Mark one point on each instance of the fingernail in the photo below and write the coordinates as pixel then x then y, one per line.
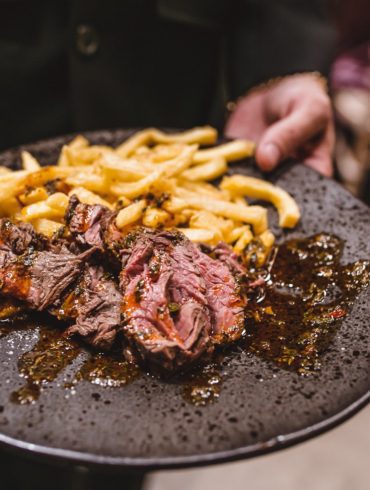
pixel 271 154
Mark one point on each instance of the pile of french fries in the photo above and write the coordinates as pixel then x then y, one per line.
pixel 153 179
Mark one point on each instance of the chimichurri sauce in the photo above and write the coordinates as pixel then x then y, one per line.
pixel 290 321
pixel 308 293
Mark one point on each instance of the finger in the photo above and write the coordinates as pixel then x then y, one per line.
pixel 287 135
pixel 321 157
pixel 246 120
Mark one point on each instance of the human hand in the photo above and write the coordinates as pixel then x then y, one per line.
pixel 292 118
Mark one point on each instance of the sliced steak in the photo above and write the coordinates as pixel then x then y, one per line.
pixel 19 237
pixel 94 305
pixel 92 225
pixel 178 301
pixel 60 282
pixel 39 277
pixel 167 320
pixel 224 296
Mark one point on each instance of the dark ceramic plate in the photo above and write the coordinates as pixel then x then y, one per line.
pixel 147 424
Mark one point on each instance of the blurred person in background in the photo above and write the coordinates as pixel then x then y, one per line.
pixel 350 82
pixel 73 66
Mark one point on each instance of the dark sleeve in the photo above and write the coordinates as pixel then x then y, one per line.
pixel 269 38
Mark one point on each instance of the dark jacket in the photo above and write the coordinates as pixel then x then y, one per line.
pixel 85 64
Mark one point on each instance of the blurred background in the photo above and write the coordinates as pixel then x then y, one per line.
pixel 350 85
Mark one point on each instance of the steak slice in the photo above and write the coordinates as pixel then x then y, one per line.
pixel 92 225
pixel 167 320
pixel 224 298
pixel 95 306
pixel 60 282
pixel 17 238
pixel 39 277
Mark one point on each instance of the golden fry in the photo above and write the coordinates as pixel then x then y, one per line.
pixel 259 189
pixel 46 226
pixel 199 235
pixel 267 238
pixel 33 195
pixel 132 190
pixel 154 217
pixel 40 210
pixel 29 162
pixel 234 150
pixel 254 215
pixel 131 214
pixel 245 238
pixel 205 135
pixel 207 171
pixel 88 197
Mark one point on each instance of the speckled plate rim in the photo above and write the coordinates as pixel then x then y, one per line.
pixel 138 464
pixel 36 451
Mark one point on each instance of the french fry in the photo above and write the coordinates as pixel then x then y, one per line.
pixel 131 214
pixel 86 156
pixel 29 162
pixel 207 171
pixel 254 215
pixel 125 170
pixel 162 153
pixel 236 233
pixel 63 160
pixel 267 238
pixel 200 235
pixel 65 157
pixel 132 190
pixel 46 226
pixel 58 201
pixel 259 189
pixel 10 207
pixel 239 200
pixel 245 238
pixel 174 167
pixel 88 197
pixel 123 202
pixel 40 210
pixel 33 195
pixel 92 181
pixel 204 189
pixel 209 221
pixel 4 170
pixel 234 150
pixel 205 135
pixel 174 205
pixel 154 217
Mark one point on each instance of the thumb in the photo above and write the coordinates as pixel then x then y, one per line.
pixel 285 137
